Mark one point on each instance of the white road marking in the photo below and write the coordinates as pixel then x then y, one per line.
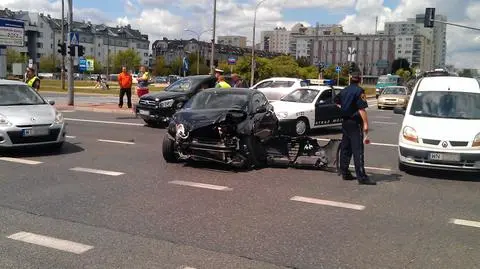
pixel 327 202
pixel 374 168
pixel 201 185
pixel 115 141
pixel 96 171
pixel 67 111
pixel 51 242
pixel 106 122
pixel 71 137
pixel 18 160
pixel 463 222
pixel 187 267
pixel 372 143
pixel 383 122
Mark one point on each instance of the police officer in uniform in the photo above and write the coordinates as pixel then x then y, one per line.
pixel 31 79
pixel 352 101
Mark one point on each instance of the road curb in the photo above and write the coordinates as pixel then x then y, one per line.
pixel 94 109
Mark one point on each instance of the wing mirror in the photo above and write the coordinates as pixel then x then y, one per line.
pixel 399 110
pixel 51 102
pixel 261 109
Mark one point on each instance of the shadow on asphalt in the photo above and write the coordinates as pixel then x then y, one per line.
pixel 385 177
pixel 68 148
pixel 445 175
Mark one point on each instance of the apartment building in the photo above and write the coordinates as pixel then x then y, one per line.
pixel 374 53
pixel 276 40
pixel 437 35
pixel 236 41
pixel 43 33
pixel 417 49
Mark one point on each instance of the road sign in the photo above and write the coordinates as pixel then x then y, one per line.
pixel 82 64
pixel 382 64
pixel 338 69
pixel 90 65
pixel 12 32
pixel 74 38
pixel 232 60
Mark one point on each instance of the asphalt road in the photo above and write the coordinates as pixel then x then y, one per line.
pixel 143 213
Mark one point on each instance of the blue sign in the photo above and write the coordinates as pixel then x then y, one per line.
pixel 74 38
pixel 82 64
pixel 232 60
pixel 12 32
pixel 338 69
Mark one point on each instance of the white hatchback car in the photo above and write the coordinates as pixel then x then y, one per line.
pixel 276 88
pixel 441 128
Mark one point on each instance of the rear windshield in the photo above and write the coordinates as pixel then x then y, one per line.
pixel 397 91
pixel 451 105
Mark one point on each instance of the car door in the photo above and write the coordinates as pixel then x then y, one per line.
pixel 263 121
pixel 325 108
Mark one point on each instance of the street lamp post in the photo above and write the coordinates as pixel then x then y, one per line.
pixel 198 48
pixel 252 75
pixel 212 56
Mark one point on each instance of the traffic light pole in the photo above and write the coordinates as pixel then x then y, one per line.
pixel 458 25
pixel 62 72
pixel 70 57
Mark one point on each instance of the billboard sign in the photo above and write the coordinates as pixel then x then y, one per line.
pixel 12 32
pixel 90 65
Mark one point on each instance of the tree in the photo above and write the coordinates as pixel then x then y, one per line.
pixel 405 74
pixel 129 58
pixel 466 73
pixel 285 66
pixel 308 72
pixel 400 63
pixel 14 56
pixel 303 62
pixel 203 70
pixel 160 69
pixel 48 64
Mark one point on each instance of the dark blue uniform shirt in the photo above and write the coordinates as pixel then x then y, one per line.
pixel 351 99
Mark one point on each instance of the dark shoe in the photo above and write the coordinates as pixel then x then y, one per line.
pixel 348 176
pixel 366 181
pixel 120 106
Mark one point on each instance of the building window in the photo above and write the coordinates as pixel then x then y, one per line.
pixel 40 45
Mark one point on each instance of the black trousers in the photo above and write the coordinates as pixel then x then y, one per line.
pixel 352 144
pixel 127 91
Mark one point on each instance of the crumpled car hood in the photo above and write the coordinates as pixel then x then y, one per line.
pixel 196 119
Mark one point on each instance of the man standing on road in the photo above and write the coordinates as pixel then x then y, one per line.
pixel 31 79
pixel 222 83
pixel 353 101
pixel 237 81
pixel 125 83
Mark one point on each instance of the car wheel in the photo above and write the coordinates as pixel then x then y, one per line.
pixel 379 107
pixel 168 150
pixel 301 127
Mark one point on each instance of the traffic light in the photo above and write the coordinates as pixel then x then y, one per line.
pixel 62 48
pixel 71 50
pixel 81 51
pixel 429 17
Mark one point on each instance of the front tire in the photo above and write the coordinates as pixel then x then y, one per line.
pixel 168 150
pixel 301 127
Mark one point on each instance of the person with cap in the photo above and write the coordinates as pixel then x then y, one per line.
pixel 353 102
pixel 238 82
pixel 221 83
pixel 31 79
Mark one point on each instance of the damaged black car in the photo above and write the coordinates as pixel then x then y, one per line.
pixel 238 127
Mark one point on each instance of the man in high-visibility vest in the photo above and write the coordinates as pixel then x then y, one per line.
pixel 31 79
pixel 222 83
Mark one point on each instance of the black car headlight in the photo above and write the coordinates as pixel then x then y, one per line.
pixel 179 105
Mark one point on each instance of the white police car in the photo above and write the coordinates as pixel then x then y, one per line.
pixel 308 108
pixel 441 128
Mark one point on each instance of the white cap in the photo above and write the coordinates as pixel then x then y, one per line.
pixel 219 70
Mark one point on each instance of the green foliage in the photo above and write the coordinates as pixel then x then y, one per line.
pixel 14 57
pixel 129 58
pixel 303 62
pixel 160 69
pixel 48 64
pixel 466 73
pixel 400 63
pixel 97 65
pixel 203 70
pixel 405 74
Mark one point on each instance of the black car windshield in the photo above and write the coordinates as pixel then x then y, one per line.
pixel 450 105
pixel 218 100
pixel 395 91
pixel 301 96
pixel 181 85
pixel 15 95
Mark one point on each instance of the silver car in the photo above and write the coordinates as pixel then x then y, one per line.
pixel 26 119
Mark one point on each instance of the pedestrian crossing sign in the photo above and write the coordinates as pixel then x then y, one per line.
pixel 74 38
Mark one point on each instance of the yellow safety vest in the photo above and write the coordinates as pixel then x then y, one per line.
pixel 31 81
pixel 223 84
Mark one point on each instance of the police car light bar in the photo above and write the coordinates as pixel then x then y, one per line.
pixel 320 82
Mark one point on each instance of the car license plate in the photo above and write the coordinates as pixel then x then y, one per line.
pixel 36 131
pixel 444 157
pixel 144 112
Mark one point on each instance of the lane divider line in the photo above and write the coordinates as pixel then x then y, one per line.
pixel 382 117
pixel 106 122
pixel 387 123
pixel 200 185
pixel 116 142
pixel 50 242
pixel 373 143
pixel 374 168
pixel 19 160
pixel 96 171
pixel 70 136
pixel 463 222
pixel 327 203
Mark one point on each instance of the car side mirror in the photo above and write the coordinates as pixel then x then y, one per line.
pixel 261 109
pixel 51 102
pixel 399 110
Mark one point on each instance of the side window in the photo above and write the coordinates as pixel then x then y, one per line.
pixel 264 84
pixel 282 84
pixel 326 97
pixel 258 100
pixel 303 83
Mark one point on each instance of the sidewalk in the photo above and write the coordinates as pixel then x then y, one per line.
pixel 99 107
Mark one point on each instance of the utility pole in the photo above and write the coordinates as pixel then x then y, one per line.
pixel 212 57
pixel 62 73
pixel 70 57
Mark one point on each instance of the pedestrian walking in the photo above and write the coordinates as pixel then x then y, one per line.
pixel 237 81
pixel 31 79
pixel 353 102
pixel 125 83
